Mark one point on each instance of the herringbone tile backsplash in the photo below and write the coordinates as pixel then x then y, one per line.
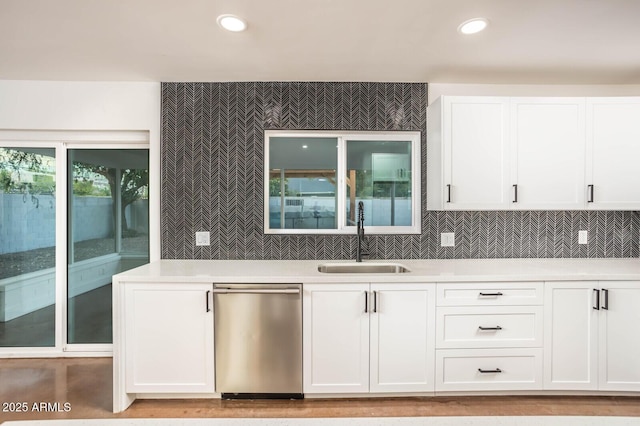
pixel 212 180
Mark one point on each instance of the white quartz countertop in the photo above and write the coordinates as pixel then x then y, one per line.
pixel 424 270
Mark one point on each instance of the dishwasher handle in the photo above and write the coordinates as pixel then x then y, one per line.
pixel 256 290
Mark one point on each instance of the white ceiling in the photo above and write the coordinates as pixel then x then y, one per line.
pixel 527 42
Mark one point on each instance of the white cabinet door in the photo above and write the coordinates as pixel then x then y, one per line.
pixel 619 343
pixel 613 149
pixel 402 337
pixel 169 338
pixel 590 341
pixel 476 153
pixel 571 336
pixel 468 153
pixel 335 338
pixel 548 153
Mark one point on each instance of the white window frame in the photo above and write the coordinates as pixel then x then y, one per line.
pixel 341 220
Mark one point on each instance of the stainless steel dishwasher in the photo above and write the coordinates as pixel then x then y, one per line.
pixel 258 340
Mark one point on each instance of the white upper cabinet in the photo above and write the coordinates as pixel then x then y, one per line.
pixel 468 153
pixel 548 153
pixel 613 150
pixel 496 153
pixel 390 167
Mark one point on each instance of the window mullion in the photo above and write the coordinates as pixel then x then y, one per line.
pixel 341 213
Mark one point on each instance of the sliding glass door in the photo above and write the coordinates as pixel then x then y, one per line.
pixel 108 232
pixel 90 212
pixel 27 247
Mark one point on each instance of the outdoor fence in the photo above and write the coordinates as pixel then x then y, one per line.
pixel 28 223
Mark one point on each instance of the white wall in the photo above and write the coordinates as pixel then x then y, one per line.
pixel 66 105
pixel 438 89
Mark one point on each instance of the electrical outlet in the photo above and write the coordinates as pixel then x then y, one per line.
pixel 447 239
pixel 583 237
pixel 203 238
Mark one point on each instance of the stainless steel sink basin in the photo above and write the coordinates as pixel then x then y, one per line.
pixel 362 268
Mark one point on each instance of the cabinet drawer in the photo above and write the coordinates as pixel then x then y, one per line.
pixel 489 327
pixel 488 369
pixel 489 294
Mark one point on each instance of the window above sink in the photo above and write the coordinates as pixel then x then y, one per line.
pixel 315 179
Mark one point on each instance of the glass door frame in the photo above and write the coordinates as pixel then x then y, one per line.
pixel 97 349
pixel 60 248
pixel 61 142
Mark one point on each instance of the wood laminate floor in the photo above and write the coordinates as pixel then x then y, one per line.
pixel 86 385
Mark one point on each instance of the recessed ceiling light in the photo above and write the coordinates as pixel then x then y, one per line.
pixel 305 146
pixel 232 23
pixel 473 26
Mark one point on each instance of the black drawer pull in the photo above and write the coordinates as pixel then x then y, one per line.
pixel 491 294
pixel 497 370
pixel 497 327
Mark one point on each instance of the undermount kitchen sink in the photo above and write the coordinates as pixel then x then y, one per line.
pixel 363 268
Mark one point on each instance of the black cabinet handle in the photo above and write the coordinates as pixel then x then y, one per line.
pixel 590 193
pixel 605 294
pixel 491 294
pixel 375 301
pixel 448 193
pixel 497 327
pixel 597 305
pixel 497 370
pixel 366 302
pixel 515 193
pixel 207 295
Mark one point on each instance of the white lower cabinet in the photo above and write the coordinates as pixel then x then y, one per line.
pixel 335 338
pixel 387 337
pixel 401 338
pixel 489 369
pixel 489 327
pixel 489 336
pixel 168 338
pixel 368 338
pixel 589 335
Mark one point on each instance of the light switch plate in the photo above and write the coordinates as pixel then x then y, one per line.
pixel 203 238
pixel 583 237
pixel 448 239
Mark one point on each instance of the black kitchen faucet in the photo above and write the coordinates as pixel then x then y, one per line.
pixel 360 250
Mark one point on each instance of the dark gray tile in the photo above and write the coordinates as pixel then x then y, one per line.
pixel 212 179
